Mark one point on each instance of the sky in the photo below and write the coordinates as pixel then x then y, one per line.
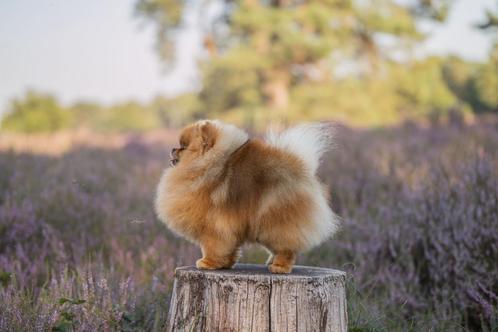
pixel 98 50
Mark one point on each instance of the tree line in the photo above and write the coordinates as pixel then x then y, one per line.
pixel 295 60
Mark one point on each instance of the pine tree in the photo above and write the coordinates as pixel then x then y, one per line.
pixel 260 49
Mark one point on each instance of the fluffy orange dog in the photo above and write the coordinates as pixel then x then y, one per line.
pixel 226 190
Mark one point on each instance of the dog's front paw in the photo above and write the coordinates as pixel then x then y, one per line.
pixel 207 264
pixel 280 268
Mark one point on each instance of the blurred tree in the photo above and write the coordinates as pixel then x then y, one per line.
pixel 491 21
pixel 86 115
pixel 457 74
pixel 423 90
pixel 259 50
pixel 485 83
pixel 177 111
pixel 476 83
pixel 35 112
pixel 128 116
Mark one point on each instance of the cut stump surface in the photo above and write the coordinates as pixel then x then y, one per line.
pixel 249 298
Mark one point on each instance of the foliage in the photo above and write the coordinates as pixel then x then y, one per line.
pixel 341 60
pixel 232 82
pixel 423 89
pixel 35 112
pixel 177 111
pixel 129 116
pixel 485 84
pixel 474 84
pixel 432 246
pixel 419 234
pixel 86 115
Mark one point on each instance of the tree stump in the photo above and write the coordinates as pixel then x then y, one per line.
pixel 249 298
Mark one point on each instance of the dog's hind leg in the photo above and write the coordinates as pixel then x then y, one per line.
pixel 282 262
pixel 217 254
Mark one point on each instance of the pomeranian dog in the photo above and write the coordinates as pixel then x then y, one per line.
pixel 224 190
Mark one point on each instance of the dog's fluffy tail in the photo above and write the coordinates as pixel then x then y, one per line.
pixel 308 141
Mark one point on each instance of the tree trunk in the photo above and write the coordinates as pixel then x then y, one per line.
pixel 249 298
pixel 276 88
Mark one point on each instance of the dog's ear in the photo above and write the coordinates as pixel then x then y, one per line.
pixel 208 135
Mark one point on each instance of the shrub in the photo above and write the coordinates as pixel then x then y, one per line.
pixel 419 235
pixel 35 112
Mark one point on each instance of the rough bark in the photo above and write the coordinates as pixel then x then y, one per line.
pixel 249 298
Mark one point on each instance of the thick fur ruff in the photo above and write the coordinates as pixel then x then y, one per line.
pixel 227 190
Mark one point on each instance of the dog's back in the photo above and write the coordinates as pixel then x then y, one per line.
pixel 272 185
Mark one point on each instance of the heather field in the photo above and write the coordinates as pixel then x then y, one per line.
pixel 81 249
